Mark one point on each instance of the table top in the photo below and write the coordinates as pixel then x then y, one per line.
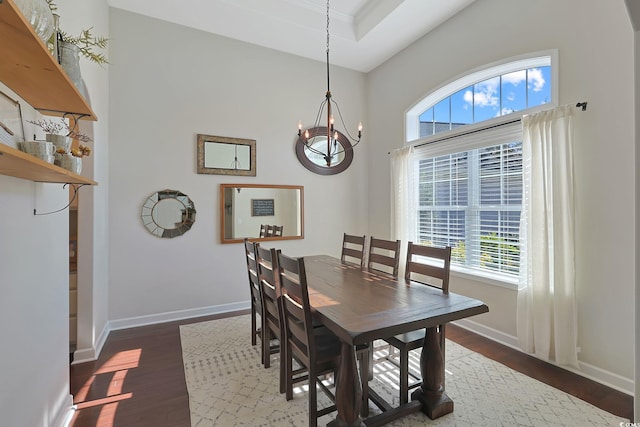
pixel 360 306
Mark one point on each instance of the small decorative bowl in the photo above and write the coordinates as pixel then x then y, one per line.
pixel 69 162
pixel 40 148
pixel 59 141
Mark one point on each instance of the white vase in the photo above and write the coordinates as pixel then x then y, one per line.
pixel 59 141
pixel 69 162
pixel 40 149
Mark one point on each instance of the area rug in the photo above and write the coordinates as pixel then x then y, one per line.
pixel 228 386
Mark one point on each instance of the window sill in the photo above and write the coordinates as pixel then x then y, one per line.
pixel 488 278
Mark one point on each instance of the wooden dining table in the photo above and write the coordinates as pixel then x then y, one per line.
pixel 360 306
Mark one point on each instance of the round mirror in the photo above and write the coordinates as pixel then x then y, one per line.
pixel 313 155
pixel 168 213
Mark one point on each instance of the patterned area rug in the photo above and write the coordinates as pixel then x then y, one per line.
pixel 228 386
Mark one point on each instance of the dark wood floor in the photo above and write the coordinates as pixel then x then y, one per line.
pixel 139 378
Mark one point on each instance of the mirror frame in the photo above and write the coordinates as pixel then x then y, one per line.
pixel 150 204
pixel 202 169
pixel 221 212
pixel 323 170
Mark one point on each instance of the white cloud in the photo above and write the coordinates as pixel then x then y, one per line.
pixel 536 79
pixel 515 78
pixel 486 93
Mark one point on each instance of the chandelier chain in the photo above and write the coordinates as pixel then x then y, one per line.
pixel 334 146
pixel 327 27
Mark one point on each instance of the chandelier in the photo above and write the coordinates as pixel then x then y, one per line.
pixel 335 143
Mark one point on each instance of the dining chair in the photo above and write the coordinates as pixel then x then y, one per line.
pixel 316 348
pixel 272 325
pixel 353 247
pixel 278 230
pixel 263 230
pixel 384 256
pixel 254 289
pixel 429 266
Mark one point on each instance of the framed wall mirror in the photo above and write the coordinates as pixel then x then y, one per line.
pixel 261 212
pixel 221 155
pixel 168 213
pixel 314 154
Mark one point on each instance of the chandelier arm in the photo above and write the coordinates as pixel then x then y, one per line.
pixel 343 125
pixel 320 110
pixel 313 150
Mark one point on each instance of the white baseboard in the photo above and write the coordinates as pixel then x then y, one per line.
pixel 64 410
pixel 91 354
pixel 586 370
pixel 609 379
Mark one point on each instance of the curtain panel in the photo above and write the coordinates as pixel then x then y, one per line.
pixel 546 313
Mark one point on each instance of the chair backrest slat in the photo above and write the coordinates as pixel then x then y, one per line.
pixel 420 261
pixel 267 260
pixel 384 255
pixel 296 307
pixel 353 247
pixel 252 269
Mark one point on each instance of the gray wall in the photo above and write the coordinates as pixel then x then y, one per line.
pixel 595 48
pixel 169 83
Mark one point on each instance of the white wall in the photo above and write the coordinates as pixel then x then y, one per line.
pixel 34 270
pixel 167 84
pixel 34 307
pixel 76 15
pixel 595 44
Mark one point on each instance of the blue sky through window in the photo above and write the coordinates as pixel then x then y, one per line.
pixel 487 99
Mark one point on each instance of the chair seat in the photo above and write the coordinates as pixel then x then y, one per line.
pixel 410 340
pixel 327 344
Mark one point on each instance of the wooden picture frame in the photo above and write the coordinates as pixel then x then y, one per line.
pixel 222 155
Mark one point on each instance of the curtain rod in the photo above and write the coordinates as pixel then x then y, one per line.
pixel 510 122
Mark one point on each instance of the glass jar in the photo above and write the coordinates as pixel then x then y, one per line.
pixel 39 15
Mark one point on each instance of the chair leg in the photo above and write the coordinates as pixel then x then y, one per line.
pixel 266 346
pixel 404 376
pixel 313 399
pixel 289 377
pixel 283 358
pixel 253 325
pixel 370 364
pixel 364 380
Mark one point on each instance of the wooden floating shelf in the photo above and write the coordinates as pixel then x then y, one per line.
pixel 18 164
pixel 29 69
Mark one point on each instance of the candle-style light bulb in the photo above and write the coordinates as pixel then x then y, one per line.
pixel 306 134
pixel 299 127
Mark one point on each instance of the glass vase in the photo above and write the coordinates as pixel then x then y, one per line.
pixel 39 15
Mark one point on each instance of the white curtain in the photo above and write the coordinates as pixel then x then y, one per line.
pixel 403 199
pixel 546 316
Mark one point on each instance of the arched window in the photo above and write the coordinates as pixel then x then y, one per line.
pixel 468 182
pixel 494 91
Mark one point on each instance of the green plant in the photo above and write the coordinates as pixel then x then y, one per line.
pixel 85 41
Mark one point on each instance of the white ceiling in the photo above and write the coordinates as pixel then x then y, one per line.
pixel 363 33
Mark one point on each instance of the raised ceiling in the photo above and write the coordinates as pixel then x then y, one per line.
pixel 364 33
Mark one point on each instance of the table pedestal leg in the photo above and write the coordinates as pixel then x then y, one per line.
pixel 348 390
pixel 435 403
